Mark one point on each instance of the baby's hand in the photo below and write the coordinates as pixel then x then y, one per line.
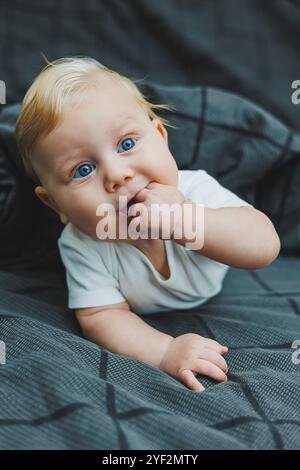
pixel 191 354
pixel 156 193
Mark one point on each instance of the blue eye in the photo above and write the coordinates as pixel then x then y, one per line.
pixel 84 170
pixel 127 144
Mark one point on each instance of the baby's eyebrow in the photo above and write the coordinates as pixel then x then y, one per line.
pixel 123 122
pixel 65 162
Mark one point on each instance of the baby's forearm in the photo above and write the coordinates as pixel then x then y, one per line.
pixel 124 332
pixel 241 237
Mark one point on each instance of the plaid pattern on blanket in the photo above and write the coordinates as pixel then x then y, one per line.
pixel 61 391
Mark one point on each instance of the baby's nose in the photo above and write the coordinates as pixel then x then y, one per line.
pixel 118 177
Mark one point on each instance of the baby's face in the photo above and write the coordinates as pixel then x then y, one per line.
pixel 106 146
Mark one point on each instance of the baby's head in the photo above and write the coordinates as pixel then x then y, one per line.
pixel 87 135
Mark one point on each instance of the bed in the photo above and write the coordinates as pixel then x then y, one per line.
pixel 61 391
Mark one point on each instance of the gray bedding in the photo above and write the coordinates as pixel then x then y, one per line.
pixel 61 391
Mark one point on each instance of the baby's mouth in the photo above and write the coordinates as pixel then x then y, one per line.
pixel 132 201
pixel 126 208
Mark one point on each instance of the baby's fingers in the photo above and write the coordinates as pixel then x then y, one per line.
pixel 189 379
pixel 214 357
pixel 212 344
pixel 209 369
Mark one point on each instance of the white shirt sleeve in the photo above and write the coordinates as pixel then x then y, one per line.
pixel 90 284
pixel 208 191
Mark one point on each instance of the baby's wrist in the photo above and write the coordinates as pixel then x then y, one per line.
pixel 165 348
pixel 187 221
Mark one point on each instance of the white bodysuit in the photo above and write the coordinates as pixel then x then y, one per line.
pixel 100 273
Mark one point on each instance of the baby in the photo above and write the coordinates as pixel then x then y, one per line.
pixel 89 138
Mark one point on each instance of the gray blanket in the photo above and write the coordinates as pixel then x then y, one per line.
pixel 61 391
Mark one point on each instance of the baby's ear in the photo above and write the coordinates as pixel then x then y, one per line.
pixel 43 195
pixel 161 128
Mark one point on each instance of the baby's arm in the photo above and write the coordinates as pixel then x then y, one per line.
pixel 241 237
pixel 121 331
pixel 118 329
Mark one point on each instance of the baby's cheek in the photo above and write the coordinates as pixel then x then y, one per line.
pixel 168 170
pixel 82 213
pixel 160 166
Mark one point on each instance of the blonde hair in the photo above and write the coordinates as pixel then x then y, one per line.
pixel 43 102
